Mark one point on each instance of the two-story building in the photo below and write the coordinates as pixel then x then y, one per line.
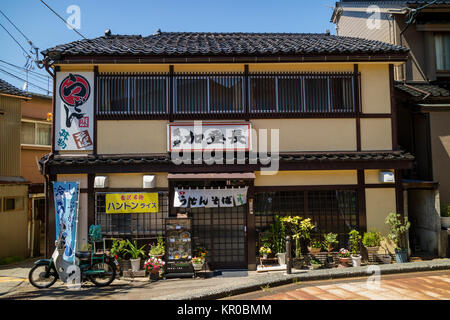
pixel 422 98
pixel 13 186
pixel 308 123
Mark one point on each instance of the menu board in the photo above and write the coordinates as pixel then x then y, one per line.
pixel 178 239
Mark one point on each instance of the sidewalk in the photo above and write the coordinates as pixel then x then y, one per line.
pixel 230 283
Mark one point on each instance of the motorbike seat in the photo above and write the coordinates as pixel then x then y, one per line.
pixel 83 254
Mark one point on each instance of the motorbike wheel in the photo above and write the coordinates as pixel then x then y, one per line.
pixel 37 276
pixel 104 279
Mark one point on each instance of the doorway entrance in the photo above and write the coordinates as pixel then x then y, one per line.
pixel 222 231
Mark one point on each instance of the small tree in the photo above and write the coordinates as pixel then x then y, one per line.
pixel 397 228
pixel 355 239
pixel 329 240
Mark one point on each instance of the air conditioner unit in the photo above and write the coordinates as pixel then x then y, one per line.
pixel 148 181
pixel 101 182
pixel 386 176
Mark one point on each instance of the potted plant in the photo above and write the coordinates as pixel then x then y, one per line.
pixel 396 234
pixel 117 250
pixel 315 264
pixel 197 263
pixel 344 257
pixel 154 265
pixel 135 254
pixel 264 251
pixel 315 246
pixel 355 239
pixel 445 216
pixel 278 239
pixel 329 240
pixel 157 251
pixel 372 241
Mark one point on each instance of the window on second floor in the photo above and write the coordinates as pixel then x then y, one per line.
pixel 442 42
pixel 36 133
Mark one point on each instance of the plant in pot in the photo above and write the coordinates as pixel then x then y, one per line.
pixel 154 266
pixel 372 241
pixel 135 254
pixel 355 240
pixel 397 232
pixel 329 240
pixel 197 263
pixel 264 251
pixel 157 251
pixel 315 264
pixel 278 241
pixel 315 246
pixel 344 257
pixel 117 251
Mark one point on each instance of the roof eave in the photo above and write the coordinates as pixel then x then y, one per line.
pixel 135 59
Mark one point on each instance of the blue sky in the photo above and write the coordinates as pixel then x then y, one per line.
pixel 45 29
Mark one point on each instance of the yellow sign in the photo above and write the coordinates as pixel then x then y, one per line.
pixel 131 202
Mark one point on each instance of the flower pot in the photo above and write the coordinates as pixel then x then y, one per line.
pixel 356 260
pixel 281 258
pixel 135 264
pixel 385 258
pixel 264 255
pixel 344 261
pixel 401 255
pixel 197 266
pixel 315 266
pixel 445 222
pixel 154 275
pixel 314 250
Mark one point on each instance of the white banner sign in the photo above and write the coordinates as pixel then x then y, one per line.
pixel 209 136
pixel 74 113
pixel 210 198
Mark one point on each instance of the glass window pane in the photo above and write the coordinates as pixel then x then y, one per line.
pixel 289 94
pixel 263 96
pixel 316 95
pixel 192 95
pixel 225 94
pixel 10 204
pixel 27 133
pixel 43 134
pixel 442 42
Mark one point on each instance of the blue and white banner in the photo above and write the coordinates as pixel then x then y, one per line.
pixel 66 196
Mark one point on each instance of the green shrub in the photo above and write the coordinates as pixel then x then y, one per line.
pixel 372 238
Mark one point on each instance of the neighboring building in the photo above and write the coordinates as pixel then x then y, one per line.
pixel 422 98
pixel 13 187
pixel 122 102
pixel 36 140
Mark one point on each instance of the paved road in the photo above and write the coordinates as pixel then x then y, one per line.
pixel 412 286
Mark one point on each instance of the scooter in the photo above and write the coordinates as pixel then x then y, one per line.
pixel 100 269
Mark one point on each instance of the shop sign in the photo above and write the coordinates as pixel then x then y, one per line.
pixel 209 136
pixel 210 198
pixel 131 202
pixel 74 111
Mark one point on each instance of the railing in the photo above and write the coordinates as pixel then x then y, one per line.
pixel 264 94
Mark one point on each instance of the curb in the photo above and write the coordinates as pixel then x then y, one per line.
pixel 275 280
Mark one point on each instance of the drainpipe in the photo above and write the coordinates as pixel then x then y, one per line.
pixel 426 93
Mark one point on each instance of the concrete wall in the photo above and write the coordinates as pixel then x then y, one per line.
pixel 13 224
pixel 307 178
pixel 379 203
pixel 134 180
pixel 424 214
pixel 440 149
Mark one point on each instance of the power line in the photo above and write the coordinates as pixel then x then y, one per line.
pixel 32 76
pixel 65 22
pixel 26 38
pixel 27 55
pixel 22 68
pixel 30 83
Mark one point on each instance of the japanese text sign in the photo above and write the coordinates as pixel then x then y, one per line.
pixel 210 198
pixel 74 111
pixel 209 136
pixel 131 202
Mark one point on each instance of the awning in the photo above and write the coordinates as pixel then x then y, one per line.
pixel 211 176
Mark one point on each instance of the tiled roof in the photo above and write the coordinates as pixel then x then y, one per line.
pixel 434 90
pixel 165 159
pixel 8 88
pixel 429 1
pixel 245 44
